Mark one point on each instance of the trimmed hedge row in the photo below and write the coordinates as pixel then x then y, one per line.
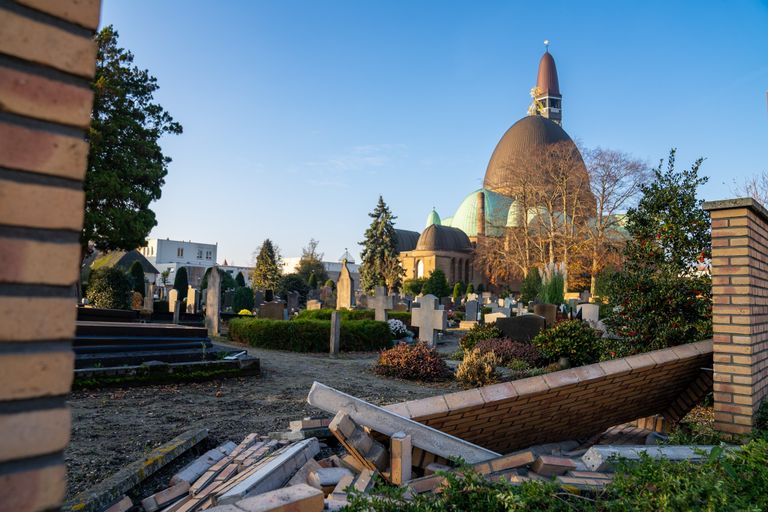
pixel 309 335
pixel 352 314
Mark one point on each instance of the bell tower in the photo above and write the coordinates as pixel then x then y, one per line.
pixel 547 100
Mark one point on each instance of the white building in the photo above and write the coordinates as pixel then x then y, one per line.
pixel 332 268
pixel 197 257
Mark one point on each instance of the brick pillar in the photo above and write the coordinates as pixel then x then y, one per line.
pixel 740 310
pixel 47 60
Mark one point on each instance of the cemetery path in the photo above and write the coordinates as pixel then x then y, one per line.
pixel 113 427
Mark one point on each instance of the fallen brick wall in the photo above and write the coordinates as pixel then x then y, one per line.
pixel 569 404
pixel 47 59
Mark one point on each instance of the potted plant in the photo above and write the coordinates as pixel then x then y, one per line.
pixel 552 292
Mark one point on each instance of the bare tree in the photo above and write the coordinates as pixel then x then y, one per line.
pixel 615 180
pixel 756 187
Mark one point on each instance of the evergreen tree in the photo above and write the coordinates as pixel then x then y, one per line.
pixel 329 283
pixel 531 286
pixel 458 291
pixel 436 284
pixel 663 295
pixel 137 276
pixel 312 281
pixel 181 283
pixel 126 165
pixel 470 288
pixel 380 265
pixel 311 262
pixel 268 269
pixel 240 280
pixel 243 299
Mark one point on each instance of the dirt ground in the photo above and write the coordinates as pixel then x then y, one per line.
pixel 113 427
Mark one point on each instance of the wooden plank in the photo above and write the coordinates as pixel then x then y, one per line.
pixel 274 473
pixel 381 420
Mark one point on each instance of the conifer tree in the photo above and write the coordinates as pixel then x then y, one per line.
pixel 380 265
pixel 181 283
pixel 312 282
pixel 268 268
pixel 137 276
pixel 240 280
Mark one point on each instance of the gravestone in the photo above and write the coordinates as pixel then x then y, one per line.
pixel 292 301
pixel 446 302
pixel 521 328
pixel 487 297
pixel 173 296
pixel 335 333
pixel 585 296
pixel 361 299
pixel 590 313
pixel 401 306
pixel 489 318
pixel 471 296
pixel 326 292
pixel 429 317
pixel 258 298
pixel 273 310
pixel 509 303
pixel 381 302
pixel 522 309
pixel 212 298
pixel 313 304
pixel 344 289
pixel 149 297
pixel 176 311
pixel 313 294
pixel 193 299
pixel 472 311
pixel 500 309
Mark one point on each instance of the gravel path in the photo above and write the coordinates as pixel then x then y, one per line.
pixel 113 427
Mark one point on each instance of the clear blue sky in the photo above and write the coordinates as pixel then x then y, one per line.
pixel 297 115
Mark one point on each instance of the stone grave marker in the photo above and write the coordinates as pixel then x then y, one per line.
pixel 401 306
pixel 446 302
pixel 585 296
pixel 176 311
pixel 258 298
pixel 361 300
pixel 487 297
pixel 173 296
pixel 590 313
pixel 381 302
pixel 149 297
pixel 428 317
pixel 313 304
pixel 229 299
pixel 325 293
pixel 521 328
pixel 500 309
pixel 472 310
pixel 193 300
pixel 212 298
pixel 293 301
pixel 509 303
pixel 489 318
pixel 344 288
pixel 273 310
pixel 335 333
pixel 471 296
pixel 313 294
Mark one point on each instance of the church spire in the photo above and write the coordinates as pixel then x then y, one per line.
pixel 547 100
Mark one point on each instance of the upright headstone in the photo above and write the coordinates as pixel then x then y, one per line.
pixel 313 304
pixel 326 292
pixel 229 300
pixel 471 296
pixel 521 328
pixel 489 318
pixel 193 298
pixel 487 298
pixel 335 333
pixel 212 297
pixel 471 311
pixel 292 300
pixel 344 290
pixel 313 294
pixel 590 313
pixel 585 296
pixel 381 302
pixel 173 297
pixel 176 311
pixel 447 302
pixel 429 317
pixel 401 306
pixel 273 310
pixel 258 298
pixel 149 297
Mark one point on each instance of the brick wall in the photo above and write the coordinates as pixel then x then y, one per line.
pixel 569 404
pixel 740 310
pixel 47 58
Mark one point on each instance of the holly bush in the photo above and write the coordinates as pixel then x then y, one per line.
pixel 477 333
pixel 572 339
pixel 110 288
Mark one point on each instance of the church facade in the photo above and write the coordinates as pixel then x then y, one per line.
pixel 449 243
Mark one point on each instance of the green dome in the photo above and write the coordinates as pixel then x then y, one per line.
pixel 433 218
pixel 497 213
pixel 447 221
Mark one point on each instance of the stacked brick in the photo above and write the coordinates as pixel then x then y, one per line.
pixel 740 311
pixel 47 59
pixel 569 404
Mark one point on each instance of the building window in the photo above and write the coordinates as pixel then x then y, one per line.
pixel 208 255
pixel 199 254
pixel 179 252
pixel 420 269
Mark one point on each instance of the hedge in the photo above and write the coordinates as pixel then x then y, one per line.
pixel 351 314
pixel 309 335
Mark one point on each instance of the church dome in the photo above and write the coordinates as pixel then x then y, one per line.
pixel 496 212
pixel 521 141
pixel 443 238
pixel 406 240
pixel 433 218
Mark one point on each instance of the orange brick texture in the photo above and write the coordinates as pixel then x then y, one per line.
pixel 740 311
pixel 47 60
pixel 569 404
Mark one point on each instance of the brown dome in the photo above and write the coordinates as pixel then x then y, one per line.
pixel 523 139
pixel 443 238
pixel 547 80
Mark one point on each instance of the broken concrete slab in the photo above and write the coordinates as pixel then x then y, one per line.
pixel 165 497
pixel 197 467
pixel 601 457
pixel 296 498
pixel 387 423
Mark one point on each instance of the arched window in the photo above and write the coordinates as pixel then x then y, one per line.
pixel 420 269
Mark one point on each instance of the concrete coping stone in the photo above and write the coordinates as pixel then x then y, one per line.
pixel 741 202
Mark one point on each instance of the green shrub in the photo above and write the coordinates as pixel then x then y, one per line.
pixel 531 286
pixel 479 332
pixel 573 339
pixel 470 288
pixel 412 362
pixel 240 280
pixel 110 288
pixel 351 314
pixel 309 335
pixel 553 284
pixel 478 369
pixel 436 285
pixel 413 286
pixel 137 275
pixel 458 292
pixel 243 298
pixel 509 351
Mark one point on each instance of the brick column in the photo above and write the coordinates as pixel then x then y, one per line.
pixel 740 310
pixel 47 60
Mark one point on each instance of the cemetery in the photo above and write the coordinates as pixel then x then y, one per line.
pixel 584 333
